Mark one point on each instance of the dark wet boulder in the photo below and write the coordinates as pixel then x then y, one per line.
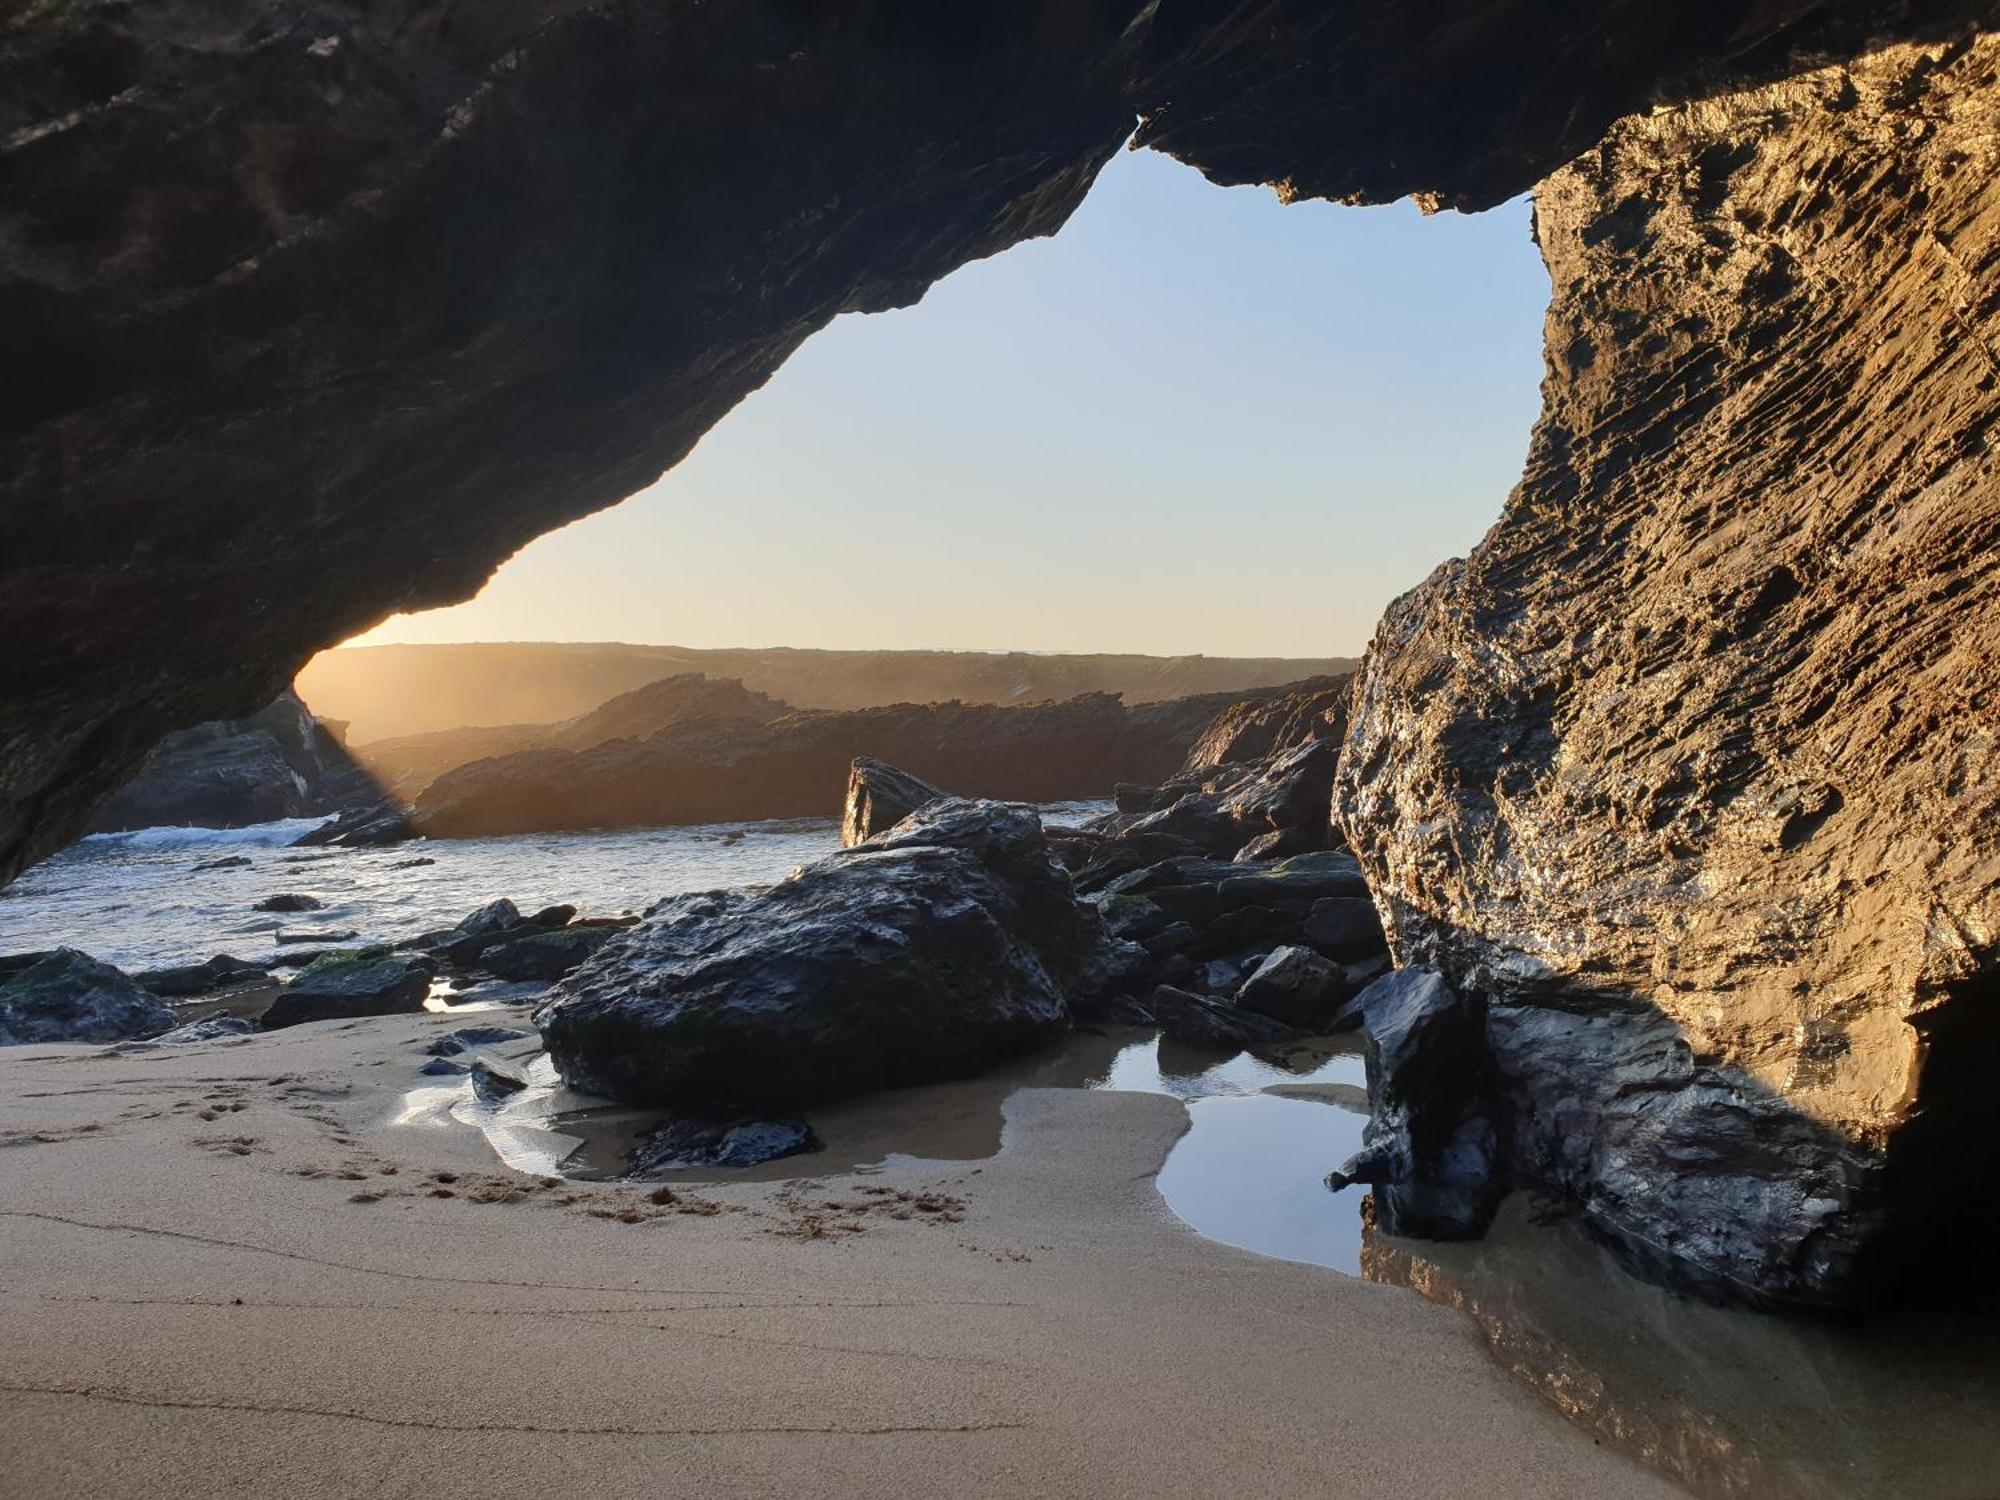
pixel 948 944
pixel 544 954
pixel 215 973
pixel 465 1038
pixel 1431 1149
pixel 688 1145
pixel 286 939
pixel 1298 987
pixel 344 986
pixel 1244 928
pixel 289 901
pixel 361 828
pixel 228 862
pixel 494 916
pixel 1202 1021
pixel 879 797
pixel 67 996
pixel 1345 927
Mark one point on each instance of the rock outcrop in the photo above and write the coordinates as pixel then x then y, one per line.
pixel 280 762
pixel 1691 768
pixel 729 770
pixel 1256 728
pixel 948 944
pixel 406 765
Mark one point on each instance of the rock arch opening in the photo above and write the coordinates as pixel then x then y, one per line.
pixel 413 294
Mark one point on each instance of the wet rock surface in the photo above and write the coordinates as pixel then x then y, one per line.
pixel 207 1029
pixel 342 987
pixel 685 1145
pixel 1690 766
pixel 931 951
pixel 67 996
pixel 364 827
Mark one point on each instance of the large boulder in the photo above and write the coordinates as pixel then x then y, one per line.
pixel 343 986
pixel 67 996
pixel 943 946
pixel 878 798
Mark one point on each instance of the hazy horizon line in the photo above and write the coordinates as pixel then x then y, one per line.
pixel 849 650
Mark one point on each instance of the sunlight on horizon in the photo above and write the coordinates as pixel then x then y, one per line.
pixel 1196 421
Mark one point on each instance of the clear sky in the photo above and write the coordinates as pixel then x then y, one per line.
pixel 1195 421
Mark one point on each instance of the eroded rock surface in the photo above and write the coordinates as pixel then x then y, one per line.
pixel 1691 767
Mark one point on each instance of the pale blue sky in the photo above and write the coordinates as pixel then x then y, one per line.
pixel 1195 421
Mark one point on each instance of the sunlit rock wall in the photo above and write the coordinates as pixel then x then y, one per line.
pixel 1692 766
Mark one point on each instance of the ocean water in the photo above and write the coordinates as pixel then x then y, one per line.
pixel 138 900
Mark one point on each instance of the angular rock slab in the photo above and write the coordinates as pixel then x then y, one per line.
pixel 934 950
pixel 878 798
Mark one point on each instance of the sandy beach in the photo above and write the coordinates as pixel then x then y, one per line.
pixel 229 1274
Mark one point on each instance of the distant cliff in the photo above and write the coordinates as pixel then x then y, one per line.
pixel 385 691
pixel 725 770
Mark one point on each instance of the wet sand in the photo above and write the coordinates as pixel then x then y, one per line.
pixel 227 1274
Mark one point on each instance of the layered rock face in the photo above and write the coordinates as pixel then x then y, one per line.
pixel 1691 767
